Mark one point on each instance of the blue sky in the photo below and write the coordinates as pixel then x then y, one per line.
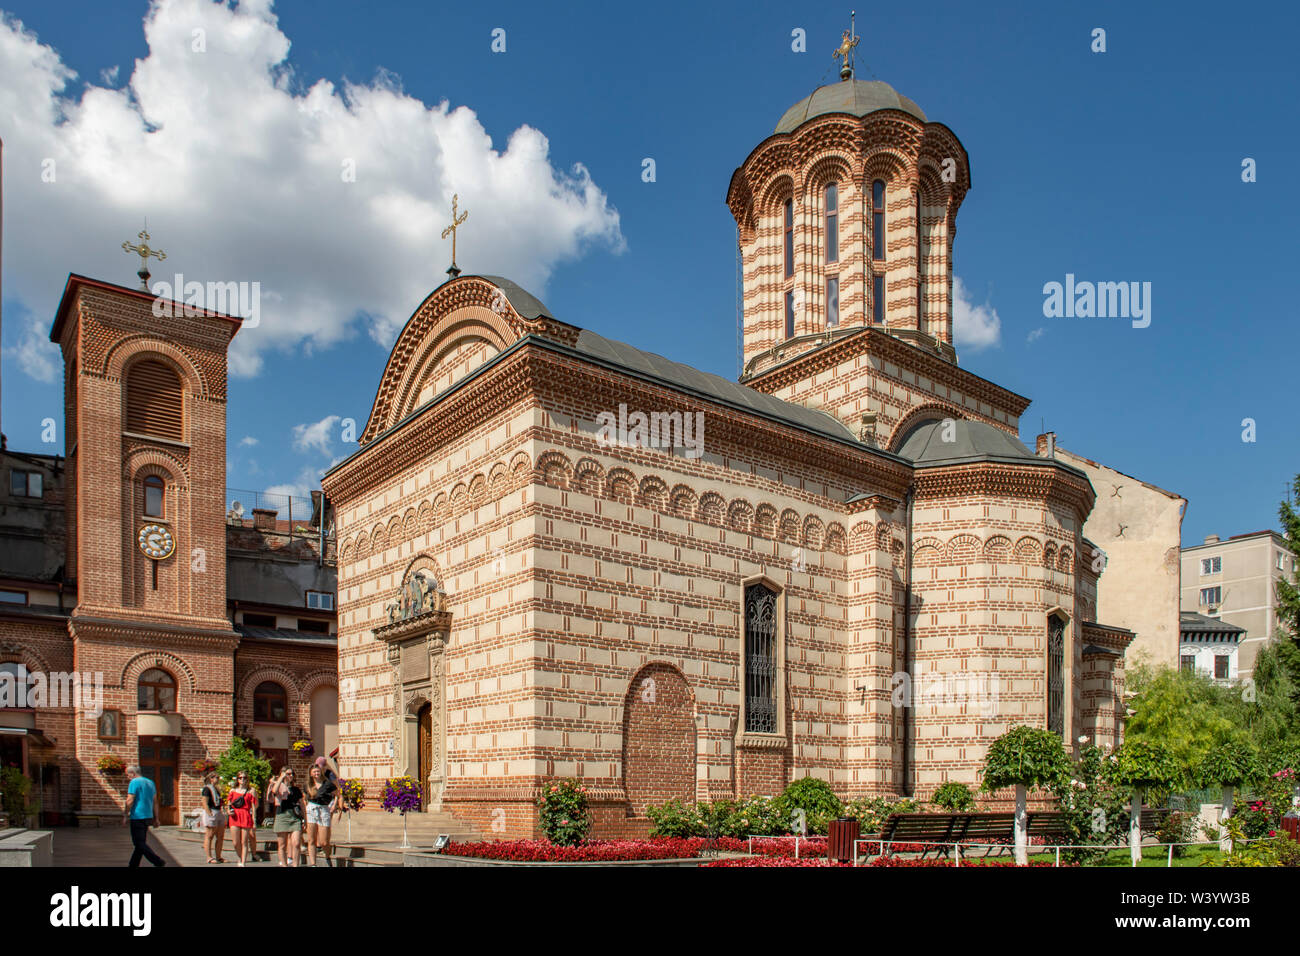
pixel 1123 165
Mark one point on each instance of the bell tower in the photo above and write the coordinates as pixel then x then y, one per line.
pixel 846 216
pixel 145 413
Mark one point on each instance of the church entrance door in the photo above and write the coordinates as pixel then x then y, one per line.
pixel 425 721
pixel 158 763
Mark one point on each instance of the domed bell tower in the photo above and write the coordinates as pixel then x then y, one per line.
pixel 846 216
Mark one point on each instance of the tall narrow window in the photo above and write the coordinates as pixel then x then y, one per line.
pixel 789 238
pixel 878 219
pixel 920 269
pixel 832 223
pixel 878 299
pixel 153 497
pixel 789 315
pixel 760 659
pixel 1056 675
pixel 832 302
pixel 154 400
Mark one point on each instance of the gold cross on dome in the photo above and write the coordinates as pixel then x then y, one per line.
pixel 456 222
pixel 845 50
pixel 144 252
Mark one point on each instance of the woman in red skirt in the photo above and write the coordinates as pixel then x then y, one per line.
pixel 243 802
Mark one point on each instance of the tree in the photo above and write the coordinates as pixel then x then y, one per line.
pixel 1183 712
pixel 1230 764
pixel 1140 764
pixel 1024 757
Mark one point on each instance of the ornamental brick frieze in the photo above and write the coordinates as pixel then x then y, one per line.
pixel 872 341
pixel 1044 483
pixel 83 626
pixel 437 426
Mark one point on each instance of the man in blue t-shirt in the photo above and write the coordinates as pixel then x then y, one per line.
pixel 139 810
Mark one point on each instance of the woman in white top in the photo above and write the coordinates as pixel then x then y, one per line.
pixel 213 818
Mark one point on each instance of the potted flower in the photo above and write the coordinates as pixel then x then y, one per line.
pixel 204 765
pixel 111 765
pixel 401 795
pixel 303 748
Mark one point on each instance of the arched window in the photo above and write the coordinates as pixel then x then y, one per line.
pixel 920 268
pixel 1056 674
pixel 153 400
pixel 156 690
pixel 154 489
pixel 270 704
pixel 760 659
pixel 878 220
pixel 789 238
pixel 832 223
pixel 15 686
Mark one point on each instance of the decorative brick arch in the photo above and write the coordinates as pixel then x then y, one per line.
pixel 963 549
pixel 142 347
pixel 740 515
pixel 292 690
pixel 659 737
pixel 554 469
pixel 21 654
pixel 144 462
pixel 453 312
pixel 928 552
pixel 315 681
pixel 1028 550
pixel 835 538
pixel 174 664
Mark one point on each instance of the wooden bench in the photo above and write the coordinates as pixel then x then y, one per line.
pixel 988 831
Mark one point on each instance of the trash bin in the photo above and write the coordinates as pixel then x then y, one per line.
pixel 843 832
pixel 1291 824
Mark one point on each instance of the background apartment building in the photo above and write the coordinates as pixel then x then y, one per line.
pixel 1233 580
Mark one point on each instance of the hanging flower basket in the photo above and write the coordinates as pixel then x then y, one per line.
pixel 354 794
pixel 303 748
pixel 401 795
pixel 204 765
pixel 111 764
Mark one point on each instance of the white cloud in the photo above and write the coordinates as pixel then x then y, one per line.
pixel 238 162
pixel 315 435
pixel 35 353
pixel 1036 334
pixel 248 441
pixel 109 75
pixel 975 327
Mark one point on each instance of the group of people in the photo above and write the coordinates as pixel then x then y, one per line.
pixel 298 813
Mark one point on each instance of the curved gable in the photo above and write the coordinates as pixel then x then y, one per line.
pixel 461 325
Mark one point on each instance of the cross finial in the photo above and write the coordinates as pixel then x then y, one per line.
pixel 845 50
pixel 456 222
pixel 144 252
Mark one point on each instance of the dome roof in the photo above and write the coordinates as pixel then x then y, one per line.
pixel 858 97
pixel 971 441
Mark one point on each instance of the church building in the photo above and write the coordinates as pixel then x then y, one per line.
pixel 559 555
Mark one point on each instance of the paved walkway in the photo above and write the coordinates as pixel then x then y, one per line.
pixel 111 847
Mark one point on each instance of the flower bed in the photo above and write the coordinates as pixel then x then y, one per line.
pixel 594 851
pixel 750 861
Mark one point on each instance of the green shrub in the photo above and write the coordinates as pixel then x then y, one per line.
pixel 954 797
pixel 872 812
pixel 1278 851
pixel 1029 756
pixel 564 818
pixel 814 798
pixel 15 791
pixel 240 757
pixel 676 819
pixel 1094 811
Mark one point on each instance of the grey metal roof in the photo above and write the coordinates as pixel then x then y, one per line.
pixel 520 299
pixel 857 97
pixel 709 385
pixel 1189 622
pixel 970 441
pixel 286 634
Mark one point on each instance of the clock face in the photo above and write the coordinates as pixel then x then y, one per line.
pixel 156 542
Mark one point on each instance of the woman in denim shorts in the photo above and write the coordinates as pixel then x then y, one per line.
pixel 322 800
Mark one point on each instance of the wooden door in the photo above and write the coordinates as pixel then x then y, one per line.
pixel 158 762
pixel 425 718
